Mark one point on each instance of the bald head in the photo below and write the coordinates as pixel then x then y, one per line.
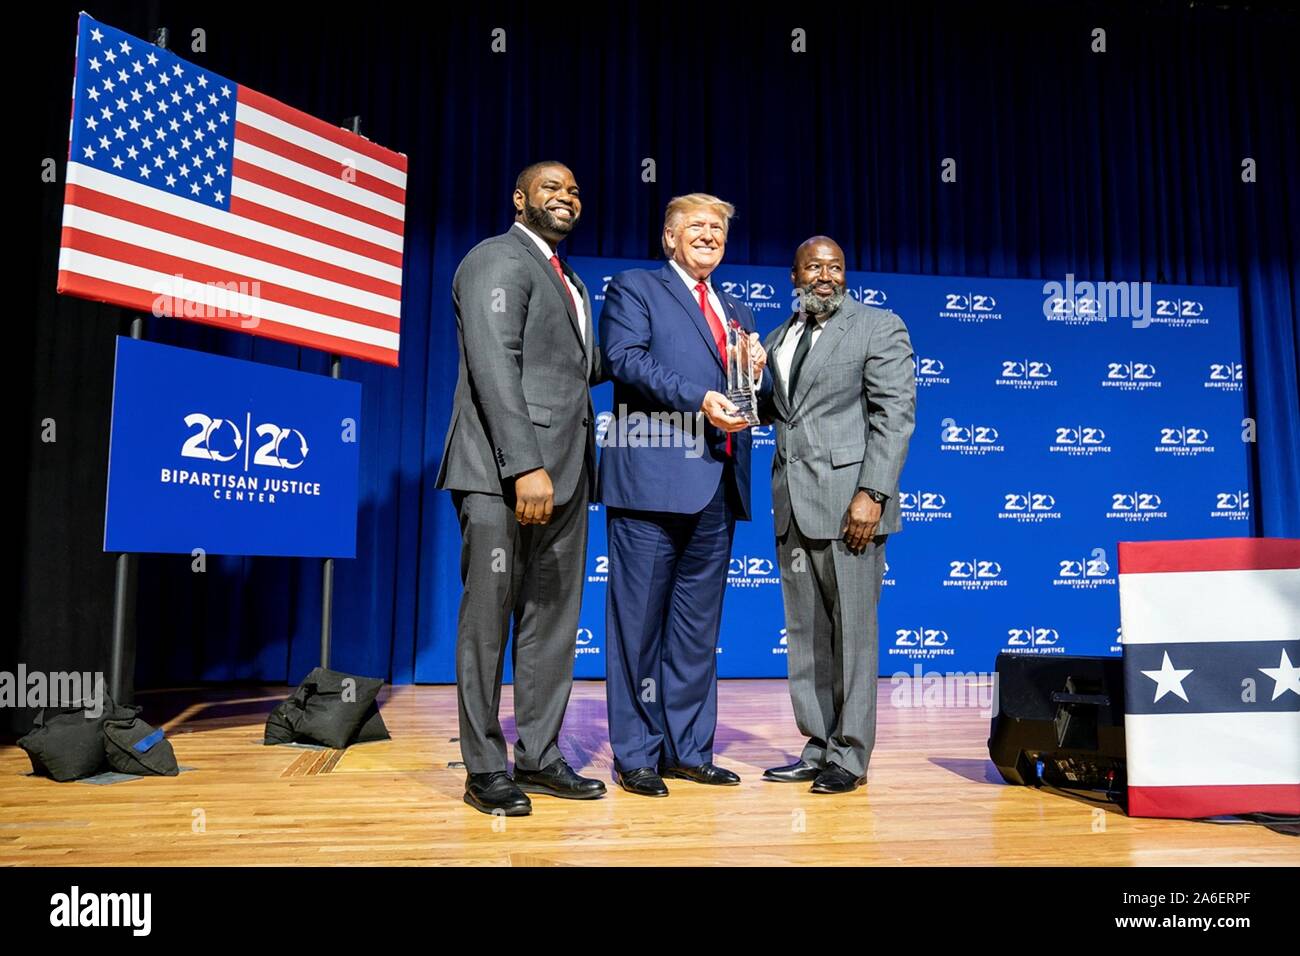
pixel 819 274
pixel 819 246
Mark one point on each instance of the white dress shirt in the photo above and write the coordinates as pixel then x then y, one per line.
pixel 547 251
pixel 691 283
pixel 785 351
pixel 713 299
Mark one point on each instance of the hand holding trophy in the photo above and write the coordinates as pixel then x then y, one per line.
pixel 745 360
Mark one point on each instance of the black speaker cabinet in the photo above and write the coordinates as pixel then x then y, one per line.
pixel 1060 724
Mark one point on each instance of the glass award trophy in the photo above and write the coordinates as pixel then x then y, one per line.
pixel 742 390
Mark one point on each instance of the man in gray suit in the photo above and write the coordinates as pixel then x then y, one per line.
pixel 844 405
pixel 519 460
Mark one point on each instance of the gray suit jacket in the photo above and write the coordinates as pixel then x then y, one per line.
pixel 523 398
pixel 848 425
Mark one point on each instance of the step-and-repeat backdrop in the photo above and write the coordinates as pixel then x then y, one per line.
pixel 1054 419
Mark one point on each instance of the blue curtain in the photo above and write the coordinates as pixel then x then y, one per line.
pixel 1120 165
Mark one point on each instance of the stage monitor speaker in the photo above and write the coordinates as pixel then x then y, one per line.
pixel 1060 724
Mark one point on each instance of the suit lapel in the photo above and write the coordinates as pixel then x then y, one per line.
pixel 774 342
pixel 588 333
pixel 825 345
pixel 677 288
pixel 556 282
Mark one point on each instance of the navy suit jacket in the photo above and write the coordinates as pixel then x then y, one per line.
pixel 661 355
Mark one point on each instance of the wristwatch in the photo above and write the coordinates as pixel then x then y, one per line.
pixel 876 496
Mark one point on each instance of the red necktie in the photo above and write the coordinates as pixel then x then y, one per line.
pixel 715 326
pixel 559 271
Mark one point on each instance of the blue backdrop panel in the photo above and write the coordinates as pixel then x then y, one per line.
pixel 229 456
pixel 1046 432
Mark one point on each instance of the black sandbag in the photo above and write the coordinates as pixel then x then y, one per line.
pixel 317 712
pixel 64 744
pixel 133 746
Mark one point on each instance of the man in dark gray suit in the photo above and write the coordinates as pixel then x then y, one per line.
pixel 519 460
pixel 844 405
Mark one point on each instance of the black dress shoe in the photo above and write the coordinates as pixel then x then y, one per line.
pixel 495 792
pixel 800 771
pixel 559 780
pixel 642 781
pixel 835 779
pixel 704 773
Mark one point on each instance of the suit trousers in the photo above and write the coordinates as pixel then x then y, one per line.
pixel 532 574
pixel 831 597
pixel 668 575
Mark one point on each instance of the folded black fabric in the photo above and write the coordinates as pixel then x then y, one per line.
pixel 372 728
pixel 282 723
pixel 132 746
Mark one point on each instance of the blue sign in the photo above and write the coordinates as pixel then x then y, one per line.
pixel 1054 419
pixel 230 457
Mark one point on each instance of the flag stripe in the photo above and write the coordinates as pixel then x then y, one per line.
pixel 1191 802
pixel 245 267
pixel 1216 683
pixel 284 121
pixel 160 283
pixel 245 171
pixel 370 255
pixel 181 270
pixel 250 220
pixel 94 212
pixel 1190 606
pixel 1210 554
pixel 331 185
pixel 301 156
pixel 132 298
pixel 314 216
pixel 1224 749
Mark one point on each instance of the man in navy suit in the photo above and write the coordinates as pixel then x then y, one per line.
pixel 674 477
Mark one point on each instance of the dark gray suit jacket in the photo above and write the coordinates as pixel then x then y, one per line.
pixel 523 396
pixel 849 423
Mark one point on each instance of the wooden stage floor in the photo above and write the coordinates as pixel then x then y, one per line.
pixel 932 797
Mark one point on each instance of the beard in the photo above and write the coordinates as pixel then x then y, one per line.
pixel 540 219
pixel 810 303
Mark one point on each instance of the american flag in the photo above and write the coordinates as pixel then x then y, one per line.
pixel 1211 635
pixel 191 196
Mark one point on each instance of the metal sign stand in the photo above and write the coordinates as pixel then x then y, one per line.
pixel 352 123
pixel 122 649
